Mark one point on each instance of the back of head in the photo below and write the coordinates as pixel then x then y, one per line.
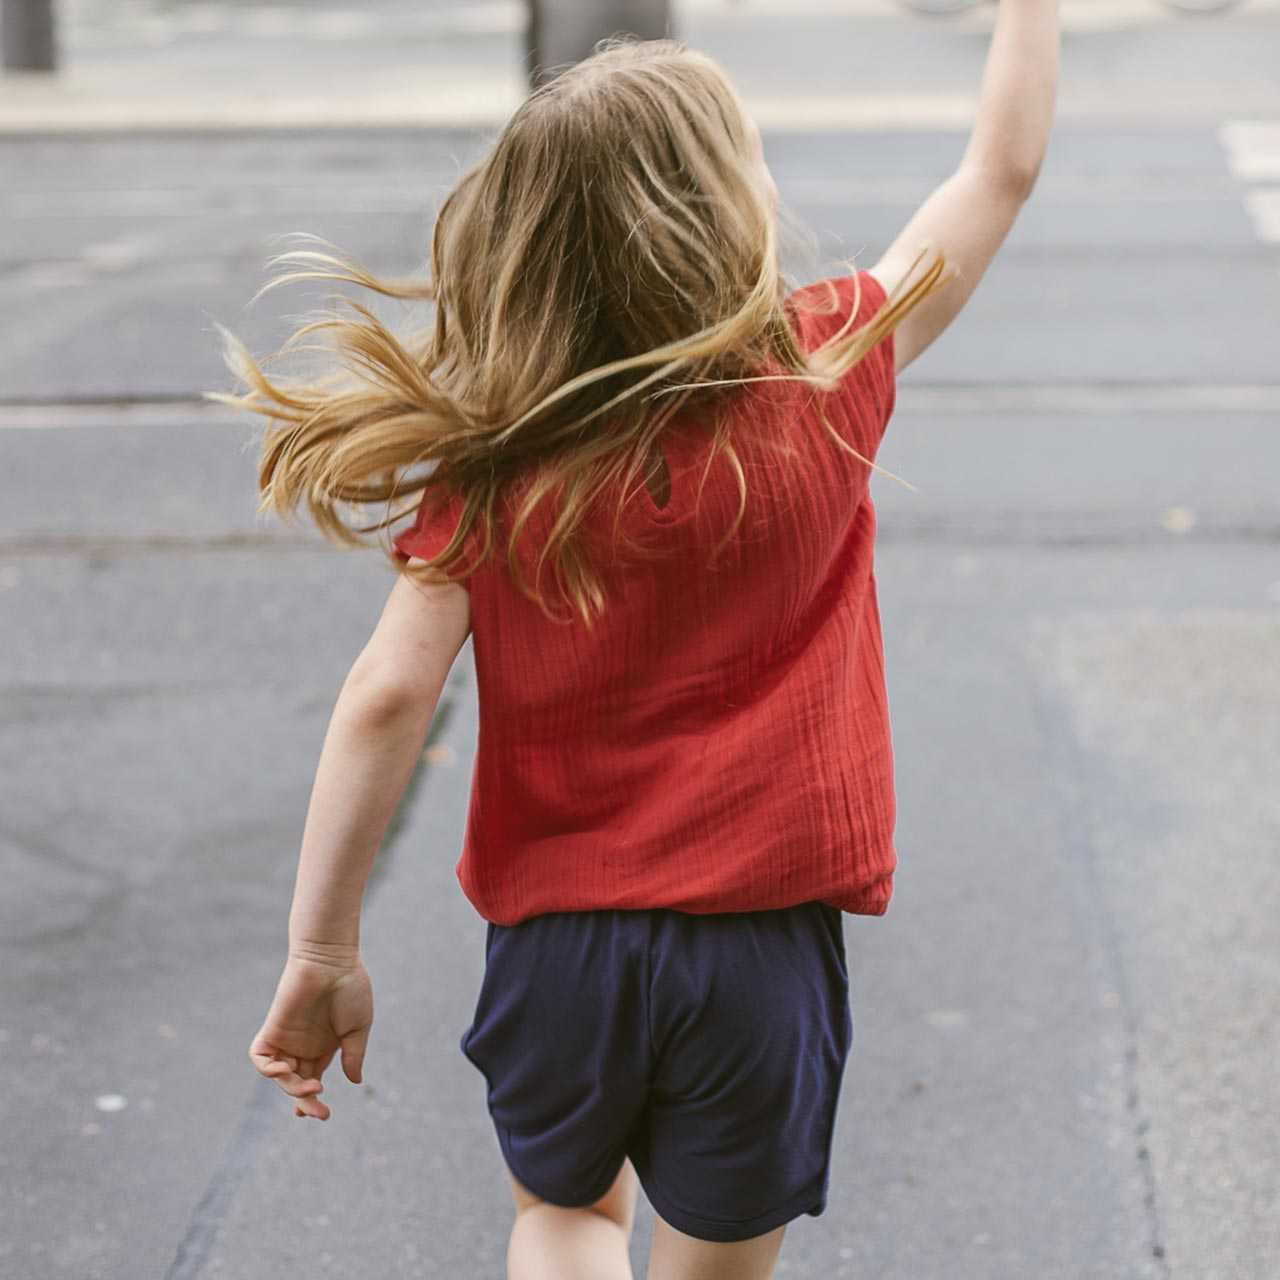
pixel 620 216
pixel 611 261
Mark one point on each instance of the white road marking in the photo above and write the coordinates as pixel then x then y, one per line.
pixel 149 413
pixel 421 197
pixel 484 101
pixel 390 197
pixel 1179 519
pixel 82 104
pixel 122 252
pixel 1253 148
pixel 1074 15
pixel 1091 398
pixel 477 17
pixel 930 398
pixel 1264 209
pixel 499 17
pixel 80 273
pixel 1253 154
pixel 51 275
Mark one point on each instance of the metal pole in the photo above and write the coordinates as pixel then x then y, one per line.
pixel 561 32
pixel 26 31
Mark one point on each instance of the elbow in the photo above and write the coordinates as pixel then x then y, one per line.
pixel 1018 179
pixel 380 697
pixel 1007 180
pixel 1022 181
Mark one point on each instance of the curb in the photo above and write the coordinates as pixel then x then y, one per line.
pixel 69 115
pixel 84 105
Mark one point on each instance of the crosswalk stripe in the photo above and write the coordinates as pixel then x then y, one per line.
pixel 508 17
pixel 1073 15
pixel 1264 208
pixel 931 398
pixel 1253 148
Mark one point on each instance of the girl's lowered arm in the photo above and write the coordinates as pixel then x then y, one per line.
pixel 372 746
pixel 324 999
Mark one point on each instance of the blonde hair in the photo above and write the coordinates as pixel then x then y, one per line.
pixel 612 260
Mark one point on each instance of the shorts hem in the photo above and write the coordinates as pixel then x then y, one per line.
pixel 724 1231
pixel 540 1189
pixel 535 1185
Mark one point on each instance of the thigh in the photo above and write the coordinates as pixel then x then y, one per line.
pixel 561 1036
pixel 752 1028
pixel 673 1253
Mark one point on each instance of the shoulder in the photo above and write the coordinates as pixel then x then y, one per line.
pixel 849 302
pixel 822 307
pixel 838 293
pixel 434 525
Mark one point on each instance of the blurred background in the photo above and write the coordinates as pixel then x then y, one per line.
pixel 1065 1028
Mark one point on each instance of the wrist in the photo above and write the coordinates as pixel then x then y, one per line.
pixel 329 955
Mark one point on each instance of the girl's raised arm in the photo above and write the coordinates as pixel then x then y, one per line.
pixel 969 215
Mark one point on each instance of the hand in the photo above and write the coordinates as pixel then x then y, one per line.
pixel 320 1005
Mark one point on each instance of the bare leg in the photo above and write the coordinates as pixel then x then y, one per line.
pixel 552 1243
pixel 676 1256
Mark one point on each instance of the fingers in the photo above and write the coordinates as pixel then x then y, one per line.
pixel 312 1107
pixel 287 1074
pixel 304 1089
pixel 297 1077
pixel 312 1069
pixel 353 1050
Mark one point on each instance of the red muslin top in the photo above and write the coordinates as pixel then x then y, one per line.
pixel 720 740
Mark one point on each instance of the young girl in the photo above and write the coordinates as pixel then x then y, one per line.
pixel 646 499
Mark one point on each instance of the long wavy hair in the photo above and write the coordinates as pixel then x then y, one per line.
pixel 612 261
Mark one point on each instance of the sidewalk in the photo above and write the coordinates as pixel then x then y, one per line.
pixel 866 65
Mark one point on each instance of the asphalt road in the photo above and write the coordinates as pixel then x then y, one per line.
pixel 1065 1028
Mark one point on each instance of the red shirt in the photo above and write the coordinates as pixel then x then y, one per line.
pixel 720 740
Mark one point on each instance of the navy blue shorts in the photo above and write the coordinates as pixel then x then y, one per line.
pixel 709 1049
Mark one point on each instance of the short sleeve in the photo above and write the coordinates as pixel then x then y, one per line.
pixel 882 358
pixel 823 309
pixel 432 529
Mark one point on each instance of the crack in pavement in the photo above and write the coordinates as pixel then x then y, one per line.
pixel 1060 530
pixel 197 1243
pixel 1077 778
